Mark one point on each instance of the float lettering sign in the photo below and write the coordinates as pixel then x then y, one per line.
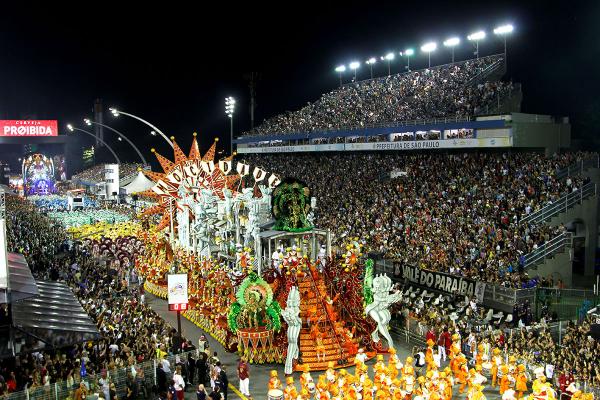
pixel 28 128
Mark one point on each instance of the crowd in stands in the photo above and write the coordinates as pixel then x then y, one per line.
pixel 96 173
pixel 458 213
pixel 132 332
pixel 431 93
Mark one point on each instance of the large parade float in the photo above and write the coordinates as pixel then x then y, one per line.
pixel 262 279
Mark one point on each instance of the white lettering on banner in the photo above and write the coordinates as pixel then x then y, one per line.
pixel 442 282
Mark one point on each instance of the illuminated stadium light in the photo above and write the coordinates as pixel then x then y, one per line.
pixel 70 127
pixel 87 121
pixel 389 57
pixel 370 63
pixel 354 66
pixel 229 109
pixel 479 35
pixel 409 52
pixel 428 48
pixel 476 37
pixel 503 30
pixel 340 69
pixel 452 42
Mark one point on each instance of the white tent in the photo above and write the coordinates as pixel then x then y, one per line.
pixel 139 184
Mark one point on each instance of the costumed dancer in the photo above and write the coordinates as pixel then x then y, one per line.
pixel 290 392
pixel 521 381
pixel 274 382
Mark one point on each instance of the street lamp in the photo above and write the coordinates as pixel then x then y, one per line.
pixel 504 30
pixel 354 66
pixel 389 57
pixel 340 69
pixel 370 63
pixel 229 109
pixel 476 37
pixel 428 48
pixel 408 53
pixel 72 129
pixel 115 112
pixel 89 122
pixel 452 43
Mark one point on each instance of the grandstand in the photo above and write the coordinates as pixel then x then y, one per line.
pixel 483 192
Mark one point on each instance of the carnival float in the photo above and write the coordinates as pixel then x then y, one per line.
pixel 261 277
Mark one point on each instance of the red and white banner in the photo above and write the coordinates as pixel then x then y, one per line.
pixel 20 128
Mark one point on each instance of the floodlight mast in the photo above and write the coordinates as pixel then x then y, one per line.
pixel 428 48
pixel 340 69
pixel 408 53
pixel 503 31
pixel 476 37
pixel 370 63
pixel 389 57
pixel 452 43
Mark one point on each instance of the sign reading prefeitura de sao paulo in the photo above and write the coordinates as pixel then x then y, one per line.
pixel 28 128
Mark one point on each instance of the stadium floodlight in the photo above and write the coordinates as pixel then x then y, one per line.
pixel 70 127
pixel 476 37
pixel 452 42
pixel 354 65
pixel 389 57
pixel 340 69
pixel 370 63
pixel 229 109
pixel 503 31
pixel 408 53
pixel 428 48
pixel 87 121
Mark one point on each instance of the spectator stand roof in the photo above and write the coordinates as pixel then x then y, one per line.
pixel 41 314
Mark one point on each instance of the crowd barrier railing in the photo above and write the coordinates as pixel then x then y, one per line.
pixel 559 244
pixel 579 167
pixel 60 390
pixel 563 204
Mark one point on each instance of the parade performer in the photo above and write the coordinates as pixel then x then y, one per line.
pixel 429 356
pixel 496 363
pixel 394 364
pixel 330 372
pixel 504 379
pixel 274 382
pixel 306 378
pixel 521 381
pixel 290 392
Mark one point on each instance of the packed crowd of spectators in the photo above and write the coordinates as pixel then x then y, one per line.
pixel 132 332
pixel 458 213
pixel 431 93
pixel 96 173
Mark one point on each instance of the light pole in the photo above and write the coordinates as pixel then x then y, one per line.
pixel 89 122
pixel 476 37
pixel 229 109
pixel 452 43
pixel 389 57
pixel 503 31
pixel 340 69
pixel 72 129
pixel 370 63
pixel 115 112
pixel 407 53
pixel 354 66
pixel 428 48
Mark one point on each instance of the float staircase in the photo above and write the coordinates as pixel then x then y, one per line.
pixel 310 298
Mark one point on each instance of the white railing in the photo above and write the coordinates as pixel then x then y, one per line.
pixel 552 247
pixel 561 205
pixel 578 167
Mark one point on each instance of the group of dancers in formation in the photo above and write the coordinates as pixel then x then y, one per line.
pixel 406 381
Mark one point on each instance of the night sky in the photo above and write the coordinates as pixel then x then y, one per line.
pixel 175 65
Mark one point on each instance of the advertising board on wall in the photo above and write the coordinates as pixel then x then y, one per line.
pixel 28 128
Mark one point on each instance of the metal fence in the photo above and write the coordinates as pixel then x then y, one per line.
pixel 146 371
pixel 566 304
pixel 563 204
pixel 578 167
pixel 559 244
